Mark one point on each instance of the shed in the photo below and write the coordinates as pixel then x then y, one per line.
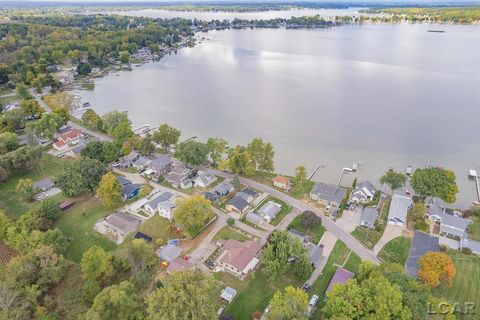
pixel 66 205
pixel 169 252
pixel 228 294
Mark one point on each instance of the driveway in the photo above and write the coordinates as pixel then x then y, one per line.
pixel 328 241
pixel 47 194
pixel 350 219
pixel 391 232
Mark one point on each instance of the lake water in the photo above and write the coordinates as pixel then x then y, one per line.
pixel 212 15
pixel 378 95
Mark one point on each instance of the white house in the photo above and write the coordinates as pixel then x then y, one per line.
pixel 205 179
pixel 152 206
pixel 166 208
pixel 364 192
pixel 397 215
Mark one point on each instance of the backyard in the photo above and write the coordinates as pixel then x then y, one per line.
pixel 13 205
pixel 474 228
pixel 77 223
pixel 228 233
pixel 158 227
pixel 369 237
pixel 396 250
pixel 286 209
pixel 315 233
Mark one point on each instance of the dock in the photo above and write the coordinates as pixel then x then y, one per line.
pixel 474 175
pixel 315 171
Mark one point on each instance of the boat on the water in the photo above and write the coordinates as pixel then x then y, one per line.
pixel 437 31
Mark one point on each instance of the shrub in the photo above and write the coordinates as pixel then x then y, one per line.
pixel 466 251
pixel 230 221
pixel 443 248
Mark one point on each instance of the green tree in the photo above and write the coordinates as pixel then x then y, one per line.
pixel 83 175
pixel 192 152
pixel 94 150
pixel 8 142
pixel 97 265
pixel 121 133
pixel 47 125
pixel 394 179
pixel 30 107
pixel 300 178
pixel 184 295
pixel 124 57
pixel 239 161
pixel 417 212
pixel 110 190
pixel 84 69
pixel 113 119
pixel 166 136
pixel 55 239
pixel 216 147
pixel 119 301
pixel 193 214
pixel 263 153
pixel 22 91
pixel 92 120
pixel 310 220
pixel 24 189
pixel 141 256
pixel 290 304
pixel 435 182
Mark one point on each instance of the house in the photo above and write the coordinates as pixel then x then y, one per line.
pixel 247 194
pixel 298 234
pixel 254 218
pixel 65 205
pixel 76 151
pixel 270 210
pixel 341 276
pixel 399 207
pixel 421 244
pixel 169 252
pixel 179 264
pixel 141 163
pixel 43 185
pixel 315 253
pixel 205 179
pixel 6 254
pixel 239 258
pixel 228 294
pixel 328 194
pixel 123 181
pixel 161 165
pixel 364 192
pixel 369 217
pixel 237 204
pixel 68 139
pixel 166 208
pixel 130 191
pixel 223 189
pixel 282 183
pixel 212 196
pixel 152 205
pixel 451 225
pixel 136 206
pixel 118 225
pixel 128 160
pixel 179 177
pixel 143 236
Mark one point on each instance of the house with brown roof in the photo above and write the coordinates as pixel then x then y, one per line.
pixel 239 258
pixel 282 183
pixel 68 139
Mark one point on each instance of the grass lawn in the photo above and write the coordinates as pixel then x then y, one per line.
pixel 14 206
pixel 255 294
pixel 338 257
pixel 8 100
pixel 369 237
pixel 474 229
pixel 305 190
pixel 315 233
pixel 78 223
pixel 286 209
pixel 396 250
pixel 466 284
pixel 158 228
pixel 266 178
pixel 228 233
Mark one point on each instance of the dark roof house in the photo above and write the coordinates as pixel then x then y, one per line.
pixel 369 217
pixel 328 193
pixel 43 185
pixel 237 203
pixel 130 191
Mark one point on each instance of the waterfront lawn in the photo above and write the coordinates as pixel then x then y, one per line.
pixel 396 250
pixel 14 206
pixel 474 229
pixel 297 193
pixel 256 293
pixel 228 233
pixel 286 209
pixel 369 237
pixel 158 228
pixel 78 223
pixel 466 284
pixel 315 233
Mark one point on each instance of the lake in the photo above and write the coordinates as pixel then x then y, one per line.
pixel 386 95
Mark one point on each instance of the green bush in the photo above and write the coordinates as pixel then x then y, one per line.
pixel 467 251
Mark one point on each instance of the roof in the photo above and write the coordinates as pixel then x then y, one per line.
pixel 130 188
pixel 472 244
pixel 448 220
pixel 421 244
pixel 123 181
pixel 254 218
pixel 369 215
pixel 43 184
pixel 179 264
pixel 167 204
pixel 160 197
pixel 270 209
pixel 70 135
pixel 249 192
pixel 329 192
pixel 281 179
pixel 78 148
pixel 239 254
pixel 206 178
pixel 6 254
pixel 123 221
pixel 223 188
pixel 142 162
pixel 210 196
pixel 297 234
pixel 238 202
pixel 366 185
pixel 161 161
pixel 228 294
pixel 169 252
pixel 131 156
pixel 141 235
pixel 399 207
pixel 315 253
pixel 341 276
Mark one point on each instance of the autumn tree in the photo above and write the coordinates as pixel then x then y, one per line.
pixel 119 301
pixel 184 295
pixel 393 179
pixel 239 161
pixel 24 189
pixel 436 268
pixel 290 304
pixel 435 182
pixel 193 214
pixel 110 190
pixel 166 136
pixel 216 147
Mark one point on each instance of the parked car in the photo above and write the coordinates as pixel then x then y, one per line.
pixel 313 301
pixel 306 287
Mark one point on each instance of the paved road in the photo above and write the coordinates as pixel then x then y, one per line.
pixel 350 241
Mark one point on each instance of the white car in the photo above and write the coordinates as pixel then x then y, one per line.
pixel 313 301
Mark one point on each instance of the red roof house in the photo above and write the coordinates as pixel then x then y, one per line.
pixel 68 139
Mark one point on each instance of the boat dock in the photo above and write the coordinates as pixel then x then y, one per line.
pixel 474 175
pixel 315 171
